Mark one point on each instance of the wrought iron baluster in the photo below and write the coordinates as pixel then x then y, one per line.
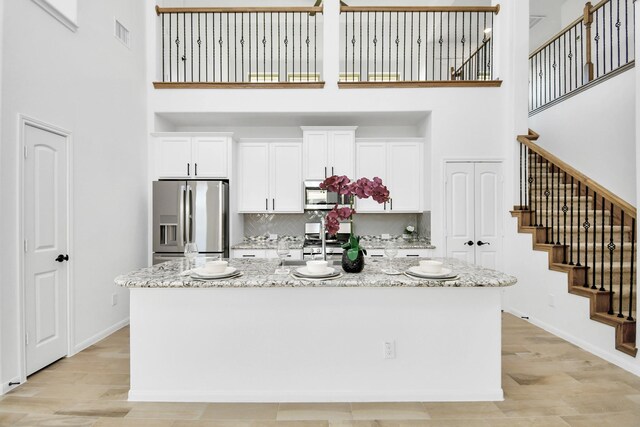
pixel 426 45
pixel 546 206
pixel 404 48
pixel 346 46
pixel 184 47
pixel 571 225
pixel 397 41
pixel 597 40
pixel 578 224
pixel 286 45
pixel 477 46
pixel 368 43
pixel 602 247
pixel 618 25
pixel 575 45
pixel 411 55
pixel 612 247
pixel 611 37
pixel 315 44
pixel 382 47
pixel 389 42
pixel 199 51
pixel 375 45
pixel 258 51
pixel 621 262
pixel 235 46
pixel 626 31
pixel 271 44
pixel 521 173
pixel 250 43
pixel 551 170
pixel 493 34
pixel 419 43
pixel 220 42
pixel 604 41
pixel 433 51
pixel 213 44
pixel 206 46
pixel 586 226
pixel 595 234
pixel 242 46
pixel 163 51
pixel 633 247
pixel 582 61
pixel 353 46
pixel 191 33
pixel 279 43
pixel 565 209
pixel 308 40
pixel 440 41
pixel 300 43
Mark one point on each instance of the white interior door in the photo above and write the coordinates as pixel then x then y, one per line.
pixel 46 245
pixel 474 212
pixel 488 214
pixel 460 211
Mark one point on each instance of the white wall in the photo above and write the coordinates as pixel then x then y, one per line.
pixel 92 85
pixel 594 131
pixel 548 26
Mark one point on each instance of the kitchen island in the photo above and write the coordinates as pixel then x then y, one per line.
pixel 362 337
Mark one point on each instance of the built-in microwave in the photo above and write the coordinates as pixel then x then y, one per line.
pixel 315 198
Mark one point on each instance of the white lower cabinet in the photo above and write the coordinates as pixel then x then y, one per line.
pixel 295 254
pixel 270 177
pixel 402 253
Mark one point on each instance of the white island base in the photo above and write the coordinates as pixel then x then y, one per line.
pixel 315 344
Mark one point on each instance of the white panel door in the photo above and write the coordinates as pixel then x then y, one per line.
pixel 403 176
pixel 371 161
pixel 488 214
pixel 253 177
pixel 286 177
pixel 210 157
pixel 315 152
pixel 341 152
pixel 460 211
pixel 45 232
pixel 174 157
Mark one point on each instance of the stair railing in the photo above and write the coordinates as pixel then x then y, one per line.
pixel 595 46
pixel 572 211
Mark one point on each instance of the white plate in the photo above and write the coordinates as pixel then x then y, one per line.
pixel 391 272
pixel 202 273
pixel 304 271
pixel 444 273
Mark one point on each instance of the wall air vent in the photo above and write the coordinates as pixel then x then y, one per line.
pixel 535 20
pixel 122 33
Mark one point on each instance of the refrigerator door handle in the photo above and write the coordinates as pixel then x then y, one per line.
pixel 181 216
pixel 189 220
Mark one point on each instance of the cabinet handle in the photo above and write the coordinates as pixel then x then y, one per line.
pixel 273 204
pixel 377 256
pixel 266 204
pixel 412 255
pixel 332 171
pixel 195 167
pixel 248 256
pixel 188 170
pixel 385 206
pixel 391 201
pixel 325 171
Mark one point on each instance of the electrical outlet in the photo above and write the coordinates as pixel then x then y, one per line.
pixel 389 348
pixel 114 299
pixel 552 300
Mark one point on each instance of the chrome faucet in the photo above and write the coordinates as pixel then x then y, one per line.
pixel 323 237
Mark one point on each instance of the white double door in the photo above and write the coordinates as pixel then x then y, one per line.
pixel 474 217
pixel 45 222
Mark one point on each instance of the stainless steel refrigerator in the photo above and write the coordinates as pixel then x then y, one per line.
pixel 190 211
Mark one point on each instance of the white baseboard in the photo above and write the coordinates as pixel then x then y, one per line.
pixel 269 396
pixel 99 336
pixel 609 357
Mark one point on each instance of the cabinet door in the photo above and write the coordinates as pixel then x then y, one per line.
pixel 315 155
pixel 173 158
pixel 210 157
pixel 404 164
pixel 371 162
pixel 341 153
pixel 286 177
pixel 253 177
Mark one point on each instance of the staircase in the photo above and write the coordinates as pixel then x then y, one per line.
pixel 588 233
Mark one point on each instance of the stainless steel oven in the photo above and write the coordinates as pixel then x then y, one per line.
pixel 315 198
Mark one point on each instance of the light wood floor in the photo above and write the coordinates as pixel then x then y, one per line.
pixel 547 382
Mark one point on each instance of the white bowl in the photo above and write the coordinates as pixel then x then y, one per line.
pixel 430 266
pixel 317 266
pixel 216 266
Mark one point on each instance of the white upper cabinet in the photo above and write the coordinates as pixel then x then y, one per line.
pixel 192 156
pixel 399 165
pixel 286 177
pixel 253 177
pixel 174 157
pixel 270 177
pixel 328 151
pixel 210 157
pixel 371 162
pixel 404 176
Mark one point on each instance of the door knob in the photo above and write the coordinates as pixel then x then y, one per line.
pixel 481 243
pixel 470 243
pixel 61 258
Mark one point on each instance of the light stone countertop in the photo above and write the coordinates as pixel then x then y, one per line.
pixel 259 273
pixel 366 242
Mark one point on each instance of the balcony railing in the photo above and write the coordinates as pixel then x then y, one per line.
pixel 417 46
pixel 239 47
pixel 595 46
pixel 282 47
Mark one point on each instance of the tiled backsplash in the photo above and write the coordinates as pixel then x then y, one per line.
pixel 364 224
